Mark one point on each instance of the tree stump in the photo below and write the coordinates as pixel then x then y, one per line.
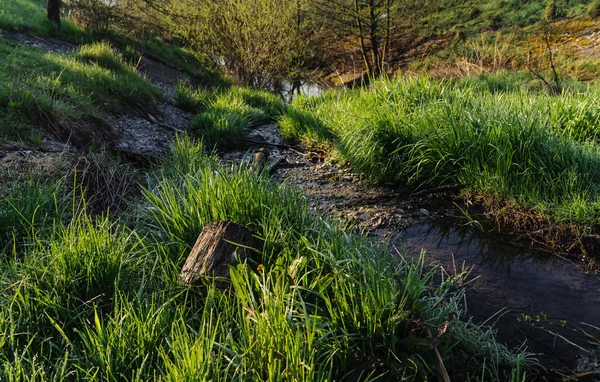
pixel 260 159
pixel 218 245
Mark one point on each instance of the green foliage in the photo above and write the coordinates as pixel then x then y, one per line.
pixel 256 40
pixel 539 150
pixel 30 16
pixel 103 54
pixel 319 298
pixel 196 64
pixel 93 299
pixel 226 115
pixel 551 11
pixel 593 9
pixel 28 209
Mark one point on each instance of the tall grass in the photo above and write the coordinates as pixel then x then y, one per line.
pixel 225 115
pixel 536 149
pixel 97 300
pixel 28 209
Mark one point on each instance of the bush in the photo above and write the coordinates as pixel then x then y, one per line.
pixel 93 15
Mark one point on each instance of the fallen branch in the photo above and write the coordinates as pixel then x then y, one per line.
pixel 438 190
pixel 263 143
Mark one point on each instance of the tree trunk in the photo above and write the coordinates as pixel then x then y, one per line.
pixel 373 34
pixel 218 245
pixel 388 27
pixel 361 34
pixel 53 7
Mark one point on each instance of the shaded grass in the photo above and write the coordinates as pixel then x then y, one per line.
pixel 196 64
pixel 97 300
pixel 28 209
pixel 30 16
pixel 536 149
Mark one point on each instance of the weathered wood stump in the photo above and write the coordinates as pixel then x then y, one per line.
pixel 260 159
pixel 218 245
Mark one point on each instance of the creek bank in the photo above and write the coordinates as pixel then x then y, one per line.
pixel 510 283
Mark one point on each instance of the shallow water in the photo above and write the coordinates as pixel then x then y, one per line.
pixel 522 281
pixel 288 90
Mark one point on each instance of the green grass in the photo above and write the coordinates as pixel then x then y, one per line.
pixel 538 150
pixel 94 299
pixel 28 209
pixel 226 115
pixel 66 94
pixel 30 16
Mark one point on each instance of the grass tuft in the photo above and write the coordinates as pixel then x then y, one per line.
pixel 227 115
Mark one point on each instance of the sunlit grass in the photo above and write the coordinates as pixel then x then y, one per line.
pixel 66 94
pixel 225 115
pixel 537 149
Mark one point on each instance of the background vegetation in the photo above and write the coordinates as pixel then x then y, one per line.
pixel 538 149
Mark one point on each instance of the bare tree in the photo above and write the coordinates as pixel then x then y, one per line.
pixel 368 22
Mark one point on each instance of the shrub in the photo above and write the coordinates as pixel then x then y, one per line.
pixel 94 15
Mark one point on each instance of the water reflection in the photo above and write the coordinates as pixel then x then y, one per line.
pixel 484 248
pixel 290 89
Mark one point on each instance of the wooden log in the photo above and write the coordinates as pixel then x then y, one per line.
pixel 260 159
pixel 218 245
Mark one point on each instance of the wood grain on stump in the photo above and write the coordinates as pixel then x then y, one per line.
pixel 218 245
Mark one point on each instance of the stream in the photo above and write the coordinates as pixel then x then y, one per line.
pixel 507 281
pixel 515 281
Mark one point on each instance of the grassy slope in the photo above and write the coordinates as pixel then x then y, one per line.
pixel 65 94
pixel 93 299
pixel 536 149
pixel 488 35
pixel 30 16
pixel 68 94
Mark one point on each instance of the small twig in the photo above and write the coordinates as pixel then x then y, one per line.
pixel 438 190
pixel 439 362
pixel 556 335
